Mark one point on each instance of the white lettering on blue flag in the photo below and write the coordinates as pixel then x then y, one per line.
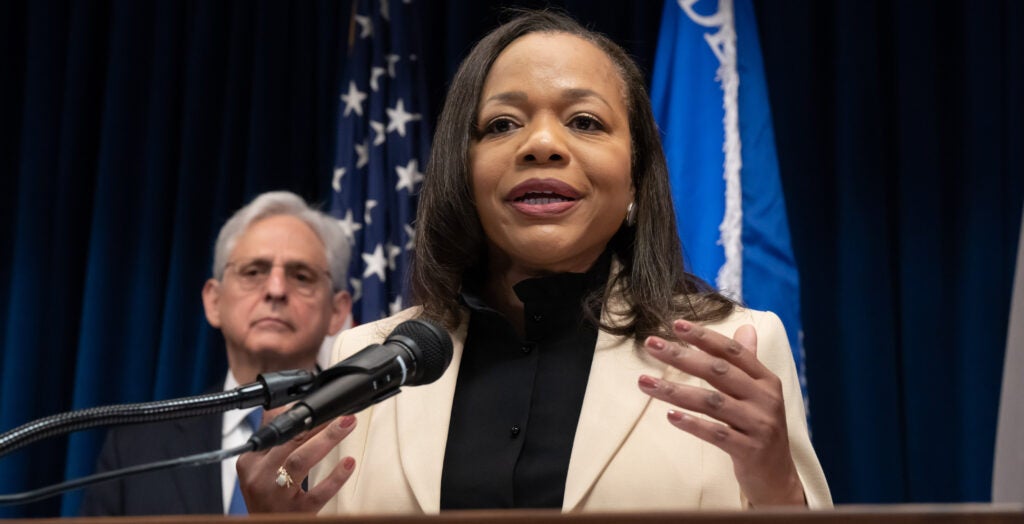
pixel 711 103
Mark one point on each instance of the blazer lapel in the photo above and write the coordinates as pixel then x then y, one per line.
pixel 611 407
pixel 423 414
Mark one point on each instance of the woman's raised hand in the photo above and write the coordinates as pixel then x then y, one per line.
pixel 746 405
pixel 271 480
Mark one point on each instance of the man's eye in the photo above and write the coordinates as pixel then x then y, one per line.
pixel 304 276
pixel 585 123
pixel 250 271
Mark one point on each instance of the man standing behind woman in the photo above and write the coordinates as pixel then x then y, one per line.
pixel 278 288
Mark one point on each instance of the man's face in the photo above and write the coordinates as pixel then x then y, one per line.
pixel 275 303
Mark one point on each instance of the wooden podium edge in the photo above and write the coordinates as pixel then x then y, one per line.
pixel 859 514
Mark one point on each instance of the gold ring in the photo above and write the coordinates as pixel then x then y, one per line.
pixel 283 478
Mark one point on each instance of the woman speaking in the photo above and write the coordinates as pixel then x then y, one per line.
pixel 591 372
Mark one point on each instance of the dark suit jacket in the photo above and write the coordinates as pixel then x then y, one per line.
pixel 175 491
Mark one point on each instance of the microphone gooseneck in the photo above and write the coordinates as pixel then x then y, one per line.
pixel 270 390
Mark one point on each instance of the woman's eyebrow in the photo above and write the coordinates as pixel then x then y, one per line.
pixel 572 94
pixel 508 97
pixel 578 93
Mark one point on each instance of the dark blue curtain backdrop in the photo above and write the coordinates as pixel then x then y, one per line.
pixel 900 131
pixel 130 130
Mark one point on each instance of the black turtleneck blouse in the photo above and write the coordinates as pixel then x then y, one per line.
pixel 517 400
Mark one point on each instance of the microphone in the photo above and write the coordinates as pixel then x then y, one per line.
pixel 416 352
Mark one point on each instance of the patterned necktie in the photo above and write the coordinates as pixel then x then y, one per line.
pixel 237 506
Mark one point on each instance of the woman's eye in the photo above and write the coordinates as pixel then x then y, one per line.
pixel 585 123
pixel 499 125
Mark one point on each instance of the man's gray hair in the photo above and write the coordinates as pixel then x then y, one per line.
pixel 274 203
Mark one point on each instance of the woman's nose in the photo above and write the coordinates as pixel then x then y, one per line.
pixel 545 142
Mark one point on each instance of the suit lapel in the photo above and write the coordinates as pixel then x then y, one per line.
pixel 423 414
pixel 611 407
pixel 199 487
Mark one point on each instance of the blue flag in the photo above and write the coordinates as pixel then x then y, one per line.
pixel 711 102
pixel 382 148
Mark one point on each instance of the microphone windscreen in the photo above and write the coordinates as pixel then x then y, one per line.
pixel 434 344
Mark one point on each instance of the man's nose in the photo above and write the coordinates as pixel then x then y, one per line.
pixel 277 283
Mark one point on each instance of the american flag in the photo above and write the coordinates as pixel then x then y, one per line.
pixel 382 148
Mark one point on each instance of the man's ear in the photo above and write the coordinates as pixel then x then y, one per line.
pixel 341 307
pixel 211 299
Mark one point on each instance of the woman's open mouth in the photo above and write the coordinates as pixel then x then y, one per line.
pixel 543 197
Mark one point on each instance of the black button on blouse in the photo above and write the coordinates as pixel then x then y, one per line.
pixel 517 401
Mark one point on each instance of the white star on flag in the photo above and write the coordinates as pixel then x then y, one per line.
pixel 366 24
pixel 370 204
pixel 393 252
pixel 392 60
pixel 353 100
pixel 375 74
pixel 357 288
pixel 362 154
pixel 378 130
pixel 376 263
pixel 349 226
pixel 411 234
pixel 408 176
pixel 336 181
pixel 396 306
pixel 398 117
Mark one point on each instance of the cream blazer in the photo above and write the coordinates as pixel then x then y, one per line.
pixel 626 456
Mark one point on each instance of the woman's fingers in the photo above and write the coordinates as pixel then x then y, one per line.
pixel 315 445
pixel 721 373
pixel 724 437
pixel 318 495
pixel 739 352
pixel 746 335
pixel 715 404
pixel 746 404
pixel 271 480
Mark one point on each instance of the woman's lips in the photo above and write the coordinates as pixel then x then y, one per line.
pixel 543 198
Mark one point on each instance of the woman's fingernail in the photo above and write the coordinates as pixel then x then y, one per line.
pixel 682 325
pixel 646 382
pixel 678 416
pixel 346 422
pixel 655 343
pixel 348 463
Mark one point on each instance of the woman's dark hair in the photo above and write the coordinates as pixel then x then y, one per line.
pixel 450 239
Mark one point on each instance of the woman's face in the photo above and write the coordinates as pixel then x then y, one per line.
pixel 551 161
